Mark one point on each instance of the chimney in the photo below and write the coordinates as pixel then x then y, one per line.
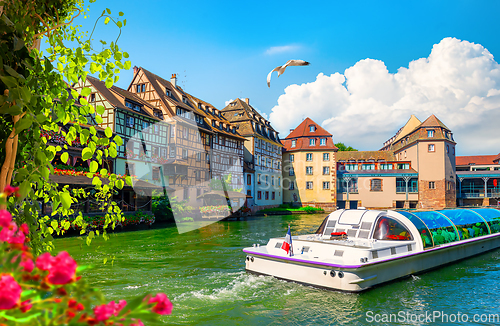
pixel 173 80
pixel 135 70
pixel 247 100
pixel 291 130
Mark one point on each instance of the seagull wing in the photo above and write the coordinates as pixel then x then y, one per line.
pixel 297 63
pixel 269 75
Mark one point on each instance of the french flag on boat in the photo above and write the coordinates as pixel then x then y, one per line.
pixel 287 244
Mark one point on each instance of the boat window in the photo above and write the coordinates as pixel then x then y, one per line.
pixel 468 223
pixel 351 217
pixel 387 228
pixel 441 228
pixel 491 216
pixel 425 234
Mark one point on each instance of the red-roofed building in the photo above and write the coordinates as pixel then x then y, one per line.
pixel 309 167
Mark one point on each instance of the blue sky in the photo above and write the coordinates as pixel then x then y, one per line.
pixel 221 50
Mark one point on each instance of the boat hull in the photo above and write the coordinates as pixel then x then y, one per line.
pixel 356 278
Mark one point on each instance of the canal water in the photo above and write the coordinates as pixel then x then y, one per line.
pixel 202 272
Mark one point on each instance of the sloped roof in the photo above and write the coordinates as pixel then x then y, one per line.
pixel 116 97
pixel 497 159
pixel 365 155
pixel 476 160
pixel 412 124
pixel 243 114
pixel 303 130
pixel 433 121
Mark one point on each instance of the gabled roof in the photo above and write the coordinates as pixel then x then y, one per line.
pixel 303 130
pixel 433 121
pixel 412 124
pixel 497 159
pixel 476 160
pixel 116 97
pixel 243 114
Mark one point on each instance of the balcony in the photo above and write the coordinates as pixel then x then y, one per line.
pixel 411 190
pixel 479 195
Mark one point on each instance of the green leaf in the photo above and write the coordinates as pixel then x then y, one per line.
pixel 128 179
pixel 96 181
pixel 118 140
pixel 24 123
pixel 54 224
pixel 87 154
pixel 108 132
pixel 108 11
pixel 9 81
pixel 100 109
pixel 120 13
pixel 127 64
pixel 105 261
pixel 25 92
pixel 119 24
pixel 109 82
pixel 103 171
pixel 86 91
pixel 119 184
pixel 64 157
pixel 93 166
pixel 65 200
pixel 98 119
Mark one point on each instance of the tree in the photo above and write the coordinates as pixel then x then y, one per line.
pixel 35 96
pixel 343 148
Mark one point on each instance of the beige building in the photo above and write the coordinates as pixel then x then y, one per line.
pixel 414 169
pixel 309 167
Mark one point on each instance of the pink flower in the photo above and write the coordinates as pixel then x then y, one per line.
pixel 9 190
pixel 11 234
pixel 25 306
pixel 163 306
pixel 103 312
pixel 26 262
pixel 62 268
pixel 139 323
pixel 5 218
pixel 11 292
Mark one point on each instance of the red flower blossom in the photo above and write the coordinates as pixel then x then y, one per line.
pixel 5 218
pixel 62 268
pixel 11 292
pixel 103 312
pixel 26 262
pixel 139 323
pixel 11 234
pixel 163 306
pixel 26 305
pixel 9 190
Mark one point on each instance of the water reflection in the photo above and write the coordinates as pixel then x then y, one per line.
pixel 202 271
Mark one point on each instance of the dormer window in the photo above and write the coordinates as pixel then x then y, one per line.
pixel 322 142
pixel 294 143
pixel 141 88
pixel 92 97
pixel 213 123
pixel 312 128
pixel 430 133
pixel 199 106
pixel 167 92
pixel 312 142
pixel 184 100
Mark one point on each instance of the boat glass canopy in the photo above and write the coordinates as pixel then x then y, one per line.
pixel 445 226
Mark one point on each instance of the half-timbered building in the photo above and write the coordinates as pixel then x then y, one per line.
pixel 263 151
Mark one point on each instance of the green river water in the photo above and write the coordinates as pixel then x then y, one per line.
pixel 203 273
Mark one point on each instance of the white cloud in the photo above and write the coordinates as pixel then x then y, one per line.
pixel 459 82
pixel 227 102
pixel 282 49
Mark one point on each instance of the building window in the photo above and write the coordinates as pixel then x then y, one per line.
pixel 92 97
pixel 259 194
pixel 431 148
pixel 294 143
pixel 447 149
pixel 198 157
pixel 185 133
pixel 272 180
pixel 309 170
pixel 267 180
pixel 172 151
pixel 309 185
pixel 385 166
pixel 186 193
pixel 370 166
pixel 258 179
pixel 403 166
pixel 279 182
pixel 267 195
pixel 273 195
pixel 184 154
pixel 432 185
pixel 376 185
pixel 291 172
pixel 309 157
pixel 197 175
pixel 291 158
pixel 156 173
pixel 249 179
pixel 326 170
pixel 130 122
pixel 322 142
pixel 138 88
pixel 430 133
pixel 312 142
pixel 312 128
pixel 249 192
pixel 326 185
pixel 326 157
pixel 351 167
pixel 291 186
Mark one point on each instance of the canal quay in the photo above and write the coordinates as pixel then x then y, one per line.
pixel 203 273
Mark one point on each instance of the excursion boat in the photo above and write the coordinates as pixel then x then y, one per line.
pixel 354 250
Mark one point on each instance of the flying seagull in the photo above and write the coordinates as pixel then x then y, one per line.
pixel 281 69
